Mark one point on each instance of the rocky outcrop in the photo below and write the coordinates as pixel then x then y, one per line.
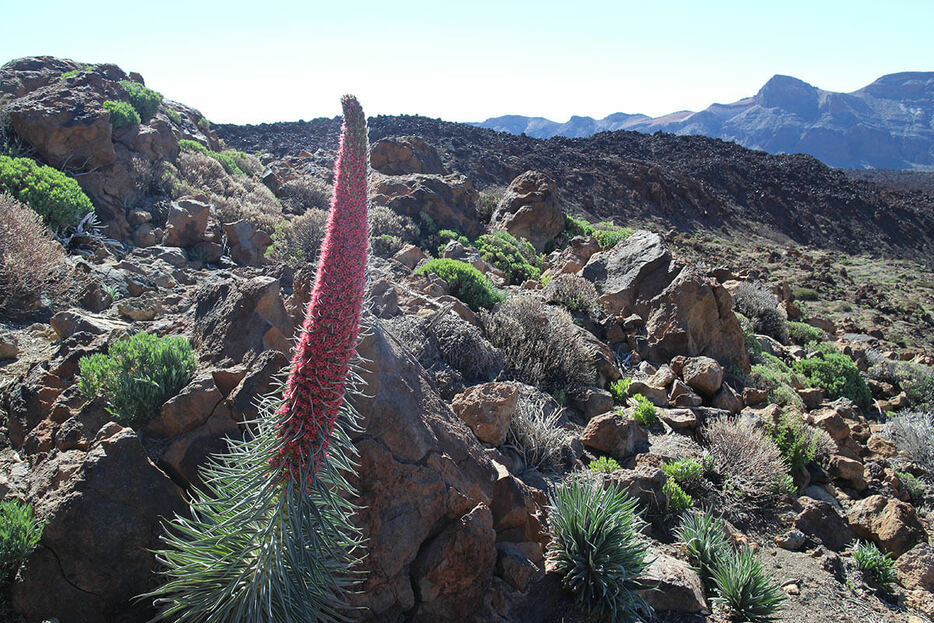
pixel 892 524
pixel 449 200
pixel 686 312
pixel 402 155
pixel 529 209
pixel 104 509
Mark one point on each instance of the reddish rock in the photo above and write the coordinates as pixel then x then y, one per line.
pixel 675 585
pixel 821 521
pixel 703 374
pixel 487 409
pixel 812 397
pixel 529 209
pixel 449 200
pixel 409 256
pixel 683 396
pixel 591 401
pixel 915 568
pixel 186 221
pixel 188 410
pixel 247 244
pixel 728 400
pixel 616 434
pixel 891 524
pixel 847 472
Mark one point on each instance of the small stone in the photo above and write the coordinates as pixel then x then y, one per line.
pixel 793 540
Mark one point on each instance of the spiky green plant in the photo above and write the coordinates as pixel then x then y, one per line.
pixel 270 538
pixel 874 564
pixel 703 537
pixel 744 590
pixel 595 547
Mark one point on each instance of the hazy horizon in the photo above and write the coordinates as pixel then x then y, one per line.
pixel 292 61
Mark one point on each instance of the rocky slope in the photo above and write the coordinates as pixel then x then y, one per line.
pixel 454 507
pixel 887 124
pixel 670 181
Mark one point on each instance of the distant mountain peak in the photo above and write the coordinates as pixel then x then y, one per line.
pixel 888 124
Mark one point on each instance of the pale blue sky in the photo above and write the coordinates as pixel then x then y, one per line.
pixel 281 61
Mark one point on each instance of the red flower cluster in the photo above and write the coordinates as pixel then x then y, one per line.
pixel 315 387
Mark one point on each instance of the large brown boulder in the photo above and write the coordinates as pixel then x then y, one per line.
pixel 401 155
pixel 450 200
pixel 240 319
pixel 614 433
pixel 675 585
pixel 686 312
pixel 487 409
pixel 892 524
pixel 103 510
pixel 529 209
pixel 425 494
pixel 821 521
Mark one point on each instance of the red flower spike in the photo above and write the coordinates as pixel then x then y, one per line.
pixel 315 387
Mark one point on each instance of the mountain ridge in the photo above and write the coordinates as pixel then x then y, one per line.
pixel 887 124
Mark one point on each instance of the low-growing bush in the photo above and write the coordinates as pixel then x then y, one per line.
pixel 917 380
pixel 596 549
pixel 225 159
pixel 913 434
pixel 20 533
pixel 306 193
pixel 803 334
pixel 386 245
pixel 684 471
pixel 174 116
pixel 800 293
pixel 704 539
pixel 298 241
pixel 540 345
pixel 56 197
pixel 836 374
pixel 576 294
pixel 618 390
pixel 780 379
pixel 604 465
pixel 744 590
pixel 122 114
pixel 137 375
pixel 534 432
pixel 607 234
pixel 384 221
pixel 447 235
pixel 796 440
pixel 678 498
pixel 913 486
pixel 29 258
pixel 753 347
pixel 463 347
pixel 145 101
pixel 875 565
pixel 645 413
pixel 517 258
pixel 464 282
pixel 751 465
pixel 759 305
pixel 486 205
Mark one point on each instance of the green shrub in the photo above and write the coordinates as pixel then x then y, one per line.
pixel 604 465
pixel 776 376
pixel 744 589
pixel 145 101
pixel 836 374
pixel 804 294
pixel 705 541
pixel 618 389
pixel 918 382
pixel 913 485
pixel 753 347
pixel 684 470
pixel 607 234
pixel 174 116
pixel 796 440
pixel 874 564
pixel 121 114
pixel 69 74
pixel 298 241
pixel 137 375
pixel 802 333
pixel 204 124
pixel 517 258
pixel 645 413
pixel 596 548
pixel 226 158
pixel 19 535
pixel 56 197
pixel 678 498
pixel 464 282
pixel 577 227
pixel 447 235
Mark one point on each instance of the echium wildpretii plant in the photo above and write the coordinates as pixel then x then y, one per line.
pixel 270 536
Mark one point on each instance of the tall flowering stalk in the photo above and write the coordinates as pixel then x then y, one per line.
pixel 270 537
pixel 315 388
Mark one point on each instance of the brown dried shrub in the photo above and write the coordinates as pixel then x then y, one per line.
pixel 235 197
pixel 575 293
pixel 298 241
pixel 29 257
pixel 540 345
pixel 306 193
pixel 750 463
